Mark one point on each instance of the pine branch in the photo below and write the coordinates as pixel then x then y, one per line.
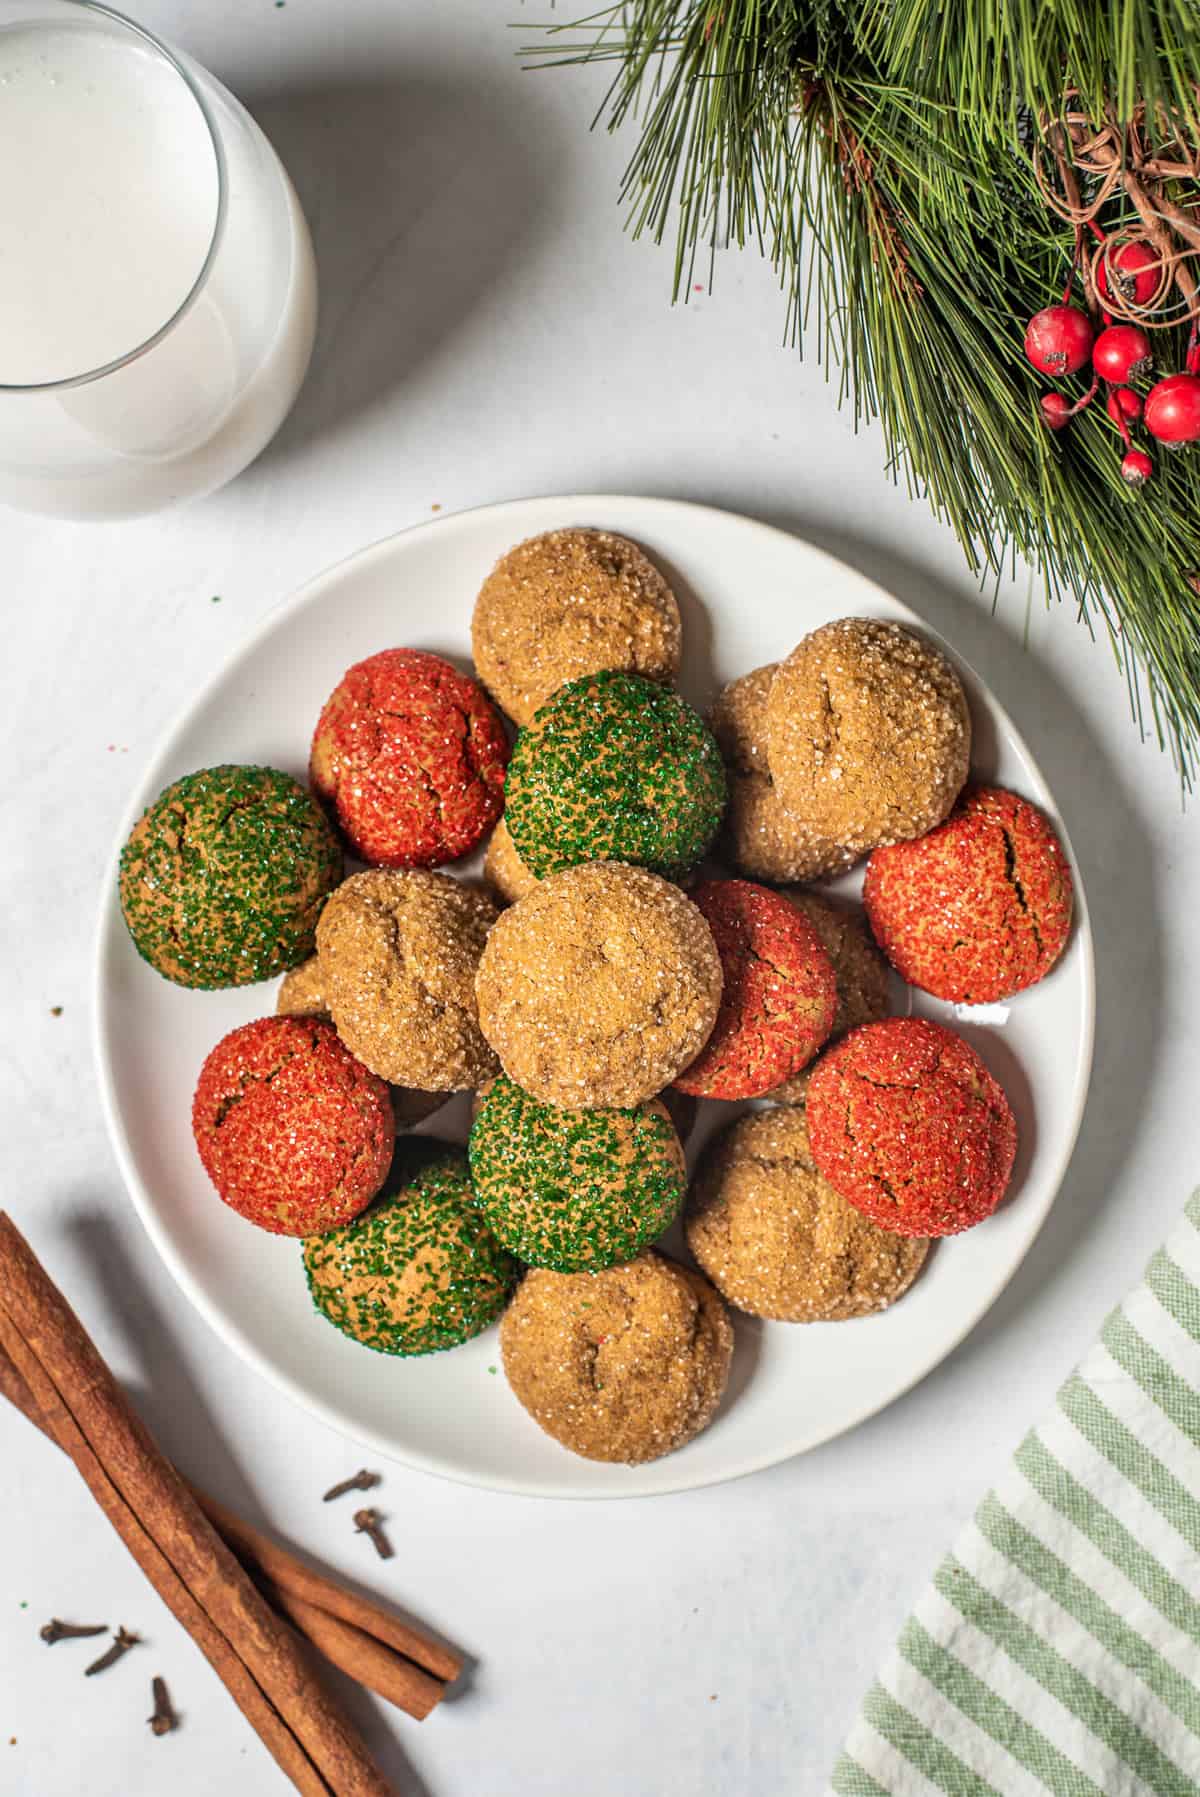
pixel 999 57
pixel 905 223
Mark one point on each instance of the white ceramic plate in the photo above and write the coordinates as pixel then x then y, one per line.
pixel 748 593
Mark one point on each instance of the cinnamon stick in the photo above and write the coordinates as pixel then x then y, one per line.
pixel 292 1576
pixel 366 1660
pixel 362 1639
pixel 252 1650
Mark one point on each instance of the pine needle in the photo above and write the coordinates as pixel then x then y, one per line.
pixel 878 159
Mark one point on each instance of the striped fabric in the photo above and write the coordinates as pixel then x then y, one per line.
pixel 1058 1647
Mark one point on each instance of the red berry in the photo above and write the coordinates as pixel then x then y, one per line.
pixel 1058 340
pixel 1056 411
pixel 1122 353
pixel 1123 403
pixel 1136 468
pixel 1173 409
pixel 1134 271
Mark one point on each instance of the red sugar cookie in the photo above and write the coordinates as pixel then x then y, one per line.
pixel 779 997
pixel 411 755
pixel 978 909
pixel 906 1122
pixel 295 1134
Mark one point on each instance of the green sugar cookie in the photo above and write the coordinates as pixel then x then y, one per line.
pixel 419 1270
pixel 614 768
pixel 223 878
pixel 574 1190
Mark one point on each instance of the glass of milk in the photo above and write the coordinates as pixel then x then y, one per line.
pixel 158 294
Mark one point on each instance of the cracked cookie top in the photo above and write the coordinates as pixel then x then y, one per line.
pixel 223 877
pixel 398 953
pixel 302 994
pixel 779 996
pixel 760 837
pixel 776 1239
pixel 906 1122
pixel 410 754
pixel 622 1365
pixel 569 603
pixel 868 733
pixel 294 1133
pixel 599 986
pixel 981 907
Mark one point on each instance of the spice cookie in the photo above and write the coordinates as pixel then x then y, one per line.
pixel 569 603
pixel 223 878
pixel 868 733
pixel 614 768
pixel 420 1271
pixel 410 754
pixel 574 1190
pixel 906 1122
pixel 302 994
pixel 760 837
pixel 860 971
pixel 775 1238
pixel 623 1365
pixel 779 995
pixel 293 1132
pixel 981 907
pixel 398 954
pixel 503 868
pixel 599 986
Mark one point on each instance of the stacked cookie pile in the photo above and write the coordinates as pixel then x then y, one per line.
pixel 645 937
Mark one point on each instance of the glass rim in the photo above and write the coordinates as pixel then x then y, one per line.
pixel 131 355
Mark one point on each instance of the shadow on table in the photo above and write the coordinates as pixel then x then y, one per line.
pixel 185 1429
pixel 420 192
pixel 1117 862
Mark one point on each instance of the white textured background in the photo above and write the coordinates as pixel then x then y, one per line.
pixel 488 332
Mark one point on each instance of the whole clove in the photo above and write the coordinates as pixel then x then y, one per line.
pixel 164 1718
pixel 370 1523
pixel 54 1630
pixel 123 1640
pixel 361 1481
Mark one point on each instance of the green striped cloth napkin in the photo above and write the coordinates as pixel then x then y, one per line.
pixel 1058 1647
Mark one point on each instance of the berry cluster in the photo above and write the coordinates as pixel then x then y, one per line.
pixel 1063 340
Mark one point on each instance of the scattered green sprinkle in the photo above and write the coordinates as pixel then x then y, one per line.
pixel 420 1270
pixel 493 1369
pixel 223 879
pixel 614 767
pixel 574 1190
pixel 216 599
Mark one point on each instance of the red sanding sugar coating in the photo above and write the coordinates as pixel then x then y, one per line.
pixel 906 1122
pixel 779 997
pixel 978 909
pixel 411 754
pixel 295 1134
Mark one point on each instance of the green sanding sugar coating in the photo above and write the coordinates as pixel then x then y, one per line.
pixel 223 878
pixel 574 1190
pixel 614 768
pixel 419 1270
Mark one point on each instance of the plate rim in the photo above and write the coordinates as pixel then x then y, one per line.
pixel 106 936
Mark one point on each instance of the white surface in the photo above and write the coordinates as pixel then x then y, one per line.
pixel 487 332
pixel 789 1388
pixel 100 253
